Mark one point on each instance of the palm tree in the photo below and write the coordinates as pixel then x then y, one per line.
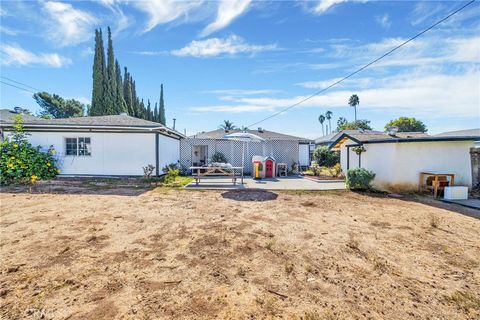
pixel 328 116
pixel 321 118
pixel 227 125
pixel 354 101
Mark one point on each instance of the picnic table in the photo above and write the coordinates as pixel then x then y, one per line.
pixel 216 172
pixel 439 181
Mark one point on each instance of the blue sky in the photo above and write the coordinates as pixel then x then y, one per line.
pixel 244 60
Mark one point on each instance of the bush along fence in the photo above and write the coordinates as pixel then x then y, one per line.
pixel 20 162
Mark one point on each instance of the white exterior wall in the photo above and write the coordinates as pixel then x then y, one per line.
pixel 398 165
pixel 112 153
pixel 304 154
pixel 353 156
pixel 168 151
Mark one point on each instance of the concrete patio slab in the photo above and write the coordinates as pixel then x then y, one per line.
pixel 279 183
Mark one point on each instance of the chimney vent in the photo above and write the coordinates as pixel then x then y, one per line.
pixel 124 114
pixel 18 110
pixel 260 129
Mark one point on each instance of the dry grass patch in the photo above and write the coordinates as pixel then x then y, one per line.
pixel 184 254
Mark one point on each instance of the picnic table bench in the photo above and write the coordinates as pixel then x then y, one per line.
pixel 217 172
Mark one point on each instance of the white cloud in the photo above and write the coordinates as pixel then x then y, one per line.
pixel 151 53
pixel 16 55
pixel 384 20
pixel 241 92
pixel 121 20
pixel 164 11
pixel 88 51
pixel 68 26
pixel 215 46
pixel 415 92
pixel 8 31
pixel 83 100
pixel 232 108
pixel 228 11
pixel 324 5
pixel 420 52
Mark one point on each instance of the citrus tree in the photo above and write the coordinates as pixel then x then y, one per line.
pixel 20 162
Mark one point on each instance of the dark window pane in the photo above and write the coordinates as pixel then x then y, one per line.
pixel 71 146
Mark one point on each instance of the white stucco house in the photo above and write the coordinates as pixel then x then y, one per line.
pixel 398 158
pixel 117 145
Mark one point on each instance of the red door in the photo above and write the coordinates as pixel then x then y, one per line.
pixel 268 169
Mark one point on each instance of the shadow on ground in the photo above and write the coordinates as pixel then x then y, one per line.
pixel 250 195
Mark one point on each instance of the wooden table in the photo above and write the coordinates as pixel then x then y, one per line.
pixel 216 171
pixel 436 182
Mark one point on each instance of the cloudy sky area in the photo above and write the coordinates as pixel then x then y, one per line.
pixel 244 60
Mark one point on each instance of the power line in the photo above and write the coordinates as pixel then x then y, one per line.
pixel 23 84
pixel 12 85
pixel 362 68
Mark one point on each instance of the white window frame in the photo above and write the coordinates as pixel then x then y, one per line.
pixel 77 154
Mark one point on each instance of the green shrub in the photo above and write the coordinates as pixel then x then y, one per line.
pixel 359 179
pixel 20 162
pixel 325 157
pixel 218 157
pixel 171 175
pixel 169 167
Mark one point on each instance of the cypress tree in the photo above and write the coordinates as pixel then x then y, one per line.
pixel 97 107
pixel 143 111
pixel 110 83
pixel 135 100
pixel 149 111
pixel 119 98
pixel 155 113
pixel 127 92
pixel 161 115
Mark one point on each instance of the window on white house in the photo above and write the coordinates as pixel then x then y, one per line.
pixel 78 147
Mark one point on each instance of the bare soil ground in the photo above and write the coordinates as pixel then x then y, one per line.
pixel 183 254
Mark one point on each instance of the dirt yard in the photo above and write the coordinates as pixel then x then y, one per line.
pixel 183 254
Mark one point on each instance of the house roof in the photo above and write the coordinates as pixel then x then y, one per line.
pixel 371 136
pixel 8 116
pixel 265 134
pixel 327 139
pixel 460 133
pixel 118 122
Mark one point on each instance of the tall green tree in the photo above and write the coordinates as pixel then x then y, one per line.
pixel 55 106
pixel 354 125
pixel 127 92
pixel 321 119
pixel 149 111
pixel 406 124
pixel 328 116
pixel 155 113
pixel 110 83
pixel 135 101
pixel 161 113
pixel 340 122
pixel 227 125
pixel 97 107
pixel 120 105
pixel 354 101
pixel 142 111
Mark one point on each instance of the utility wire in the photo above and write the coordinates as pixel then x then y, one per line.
pixel 362 68
pixel 23 84
pixel 12 85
